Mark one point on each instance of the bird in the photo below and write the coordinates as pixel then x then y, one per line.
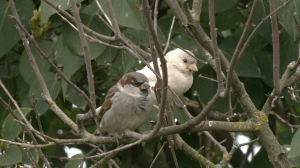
pixel 180 64
pixel 127 105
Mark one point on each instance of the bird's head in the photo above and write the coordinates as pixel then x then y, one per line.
pixel 184 60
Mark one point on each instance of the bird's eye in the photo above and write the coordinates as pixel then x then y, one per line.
pixel 185 60
pixel 137 84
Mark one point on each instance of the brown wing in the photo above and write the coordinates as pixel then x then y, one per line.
pixel 107 102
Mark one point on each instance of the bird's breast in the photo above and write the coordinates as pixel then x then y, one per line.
pixel 179 82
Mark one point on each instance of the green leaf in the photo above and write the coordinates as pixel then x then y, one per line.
pixel 285 16
pixel 47 10
pixel 194 141
pixel 179 114
pixel 72 41
pixel 9 67
pixel 295 145
pixel 107 56
pixel 33 152
pixel 220 5
pixel 53 85
pixel 261 160
pixel 63 57
pixel 137 36
pixel 9 35
pixel 295 161
pixel 25 67
pixel 288 51
pixel 23 89
pixel 12 155
pixel 92 8
pixel 228 19
pixel 127 13
pixel 246 65
pixel 9 84
pixel 207 88
pixel 141 37
pixel 264 60
pixel 263 9
pixel 75 163
pixel 255 89
pixel 10 128
pixel 124 62
pixel 74 97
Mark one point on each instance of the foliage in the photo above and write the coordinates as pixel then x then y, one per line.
pixel 111 58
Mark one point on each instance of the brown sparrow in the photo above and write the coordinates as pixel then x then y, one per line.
pixel 181 65
pixel 128 104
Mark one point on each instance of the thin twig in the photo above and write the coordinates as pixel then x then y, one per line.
pixel 164 84
pixel 215 45
pixel 28 154
pixel 15 104
pixel 182 105
pixel 100 36
pixel 172 139
pixel 284 81
pixel 276 52
pixel 284 121
pixel 165 131
pixel 295 78
pixel 213 80
pixel 37 114
pixel 250 142
pixel 169 35
pixel 155 14
pixel 58 71
pixel 239 50
pixel 290 114
pixel 27 145
pixel 113 18
pixel 87 58
pixel 28 124
pixel 197 96
pixel 90 38
pixel 103 12
pixel 107 153
pixel 188 150
pixel 158 154
pixel 45 94
pixel 222 148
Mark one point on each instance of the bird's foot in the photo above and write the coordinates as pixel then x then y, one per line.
pixel 118 137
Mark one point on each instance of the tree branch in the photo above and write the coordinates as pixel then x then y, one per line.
pixel 87 58
pixel 46 95
pixel 164 83
pixel 100 36
pixel 215 45
pixel 238 50
pixel 258 120
pixel 275 38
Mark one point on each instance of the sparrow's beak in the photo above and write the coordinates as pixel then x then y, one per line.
pixel 192 67
pixel 144 86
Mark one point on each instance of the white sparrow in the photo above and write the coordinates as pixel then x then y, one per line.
pixel 181 65
pixel 128 104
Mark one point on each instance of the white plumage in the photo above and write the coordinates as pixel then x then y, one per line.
pixel 181 65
